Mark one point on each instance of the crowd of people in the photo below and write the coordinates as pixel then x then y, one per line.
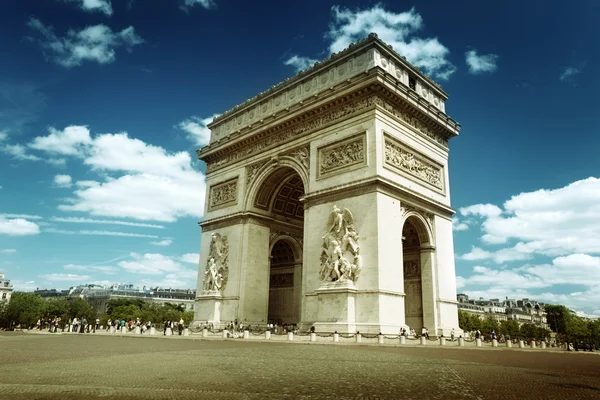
pixel 131 325
pixel 81 325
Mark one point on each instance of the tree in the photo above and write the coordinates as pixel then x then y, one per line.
pixel 510 328
pixel 469 322
pixel 24 309
pixel 490 324
pixel 79 308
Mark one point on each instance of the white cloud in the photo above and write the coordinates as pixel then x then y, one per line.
pixel 3 136
pixel 102 6
pixel 154 184
pixel 99 233
pixel 479 64
pixel 502 279
pixel 91 268
pixel 476 254
pixel 24 216
pixel 77 220
pixel 166 242
pixel 397 30
pixel 499 256
pixel 484 210
pixel 150 264
pixel 569 73
pixel 72 141
pixel 18 227
pixel 191 258
pixel 93 43
pixel 300 63
pixel 197 129
pixel 458 225
pixel 19 152
pixel 63 181
pixel 65 277
pixel 24 286
pixel 187 4
pixel 6 251
pixel 549 222
pixel 574 269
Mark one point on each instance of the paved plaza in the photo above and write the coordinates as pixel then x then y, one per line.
pixel 43 366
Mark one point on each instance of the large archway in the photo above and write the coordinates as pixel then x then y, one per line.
pixel 277 198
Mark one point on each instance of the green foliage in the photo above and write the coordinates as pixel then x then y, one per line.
pixel 469 322
pixel 489 324
pixel 510 328
pixel 131 309
pixel 79 308
pixel 24 309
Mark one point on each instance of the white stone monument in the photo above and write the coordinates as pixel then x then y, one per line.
pixel 328 202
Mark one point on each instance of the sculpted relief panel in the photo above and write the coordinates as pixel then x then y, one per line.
pixel 217 269
pixel 401 158
pixel 340 253
pixel 285 134
pixel 342 156
pixel 223 194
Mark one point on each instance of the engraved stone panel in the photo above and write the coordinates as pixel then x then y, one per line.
pixel 342 156
pixel 288 134
pixel 401 158
pixel 223 194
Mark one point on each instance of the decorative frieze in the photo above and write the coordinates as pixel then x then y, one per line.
pixel 223 194
pixel 301 154
pixel 412 121
pixel 251 172
pixel 401 158
pixel 281 280
pixel 411 269
pixel 288 134
pixel 277 232
pixel 342 156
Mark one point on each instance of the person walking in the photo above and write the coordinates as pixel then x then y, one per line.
pixel 452 335
pixel 180 326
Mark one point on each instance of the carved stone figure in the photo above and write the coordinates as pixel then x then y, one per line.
pixel 217 270
pixel 340 254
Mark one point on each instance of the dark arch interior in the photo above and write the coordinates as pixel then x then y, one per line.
pixel 280 194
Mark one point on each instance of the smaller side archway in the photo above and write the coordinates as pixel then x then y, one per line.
pixel 285 281
pixel 418 259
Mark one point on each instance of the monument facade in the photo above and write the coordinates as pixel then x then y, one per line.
pixel 328 202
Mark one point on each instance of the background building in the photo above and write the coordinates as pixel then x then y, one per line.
pixel 99 296
pixel 523 311
pixel 6 288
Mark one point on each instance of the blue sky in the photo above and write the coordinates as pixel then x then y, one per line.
pixel 103 103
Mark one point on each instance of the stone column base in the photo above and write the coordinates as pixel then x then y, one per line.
pixel 337 307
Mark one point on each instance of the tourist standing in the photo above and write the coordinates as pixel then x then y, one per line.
pixel 180 326
pixel 452 335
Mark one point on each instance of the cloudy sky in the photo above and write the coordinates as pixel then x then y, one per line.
pixel 103 103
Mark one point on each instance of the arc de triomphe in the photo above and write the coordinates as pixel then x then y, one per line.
pixel 328 202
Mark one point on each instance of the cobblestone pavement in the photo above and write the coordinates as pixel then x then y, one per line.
pixel 100 366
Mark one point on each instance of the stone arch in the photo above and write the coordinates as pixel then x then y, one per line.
pixel 421 225
pixel 269 171
pixel 292 242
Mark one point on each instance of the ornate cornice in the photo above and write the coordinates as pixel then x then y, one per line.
pixel 342 63
pixel 375 184
pixel 245 217
pixel 371 97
